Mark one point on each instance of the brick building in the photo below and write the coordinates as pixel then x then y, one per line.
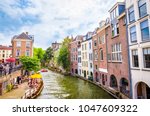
pixel 95 56
pixel 102 52
pixel 118 67
pixel 74 54
pixel 22 45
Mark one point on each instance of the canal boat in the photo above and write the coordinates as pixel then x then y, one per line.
pixel 44 70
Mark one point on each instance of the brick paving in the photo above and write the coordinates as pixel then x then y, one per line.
pixel 16 93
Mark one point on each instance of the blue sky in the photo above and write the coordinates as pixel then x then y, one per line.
pixel 50 20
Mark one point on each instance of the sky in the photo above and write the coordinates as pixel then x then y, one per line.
pixel 51 20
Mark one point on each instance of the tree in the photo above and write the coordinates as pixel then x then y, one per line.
pixel 64 54
pixel 30 64
pixel 48 55
pixel 38 53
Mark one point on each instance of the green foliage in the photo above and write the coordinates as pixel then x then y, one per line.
pixel 63 58
pixel 38 53
pixel 48 55
pixel 9 87
pixel 30 64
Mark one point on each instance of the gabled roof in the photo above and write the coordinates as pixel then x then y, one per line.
pixel 23 36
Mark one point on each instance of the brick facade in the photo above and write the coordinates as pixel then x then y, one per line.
pixel 22 48
pixel 118 71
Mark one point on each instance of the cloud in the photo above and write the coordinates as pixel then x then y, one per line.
pixel 51 20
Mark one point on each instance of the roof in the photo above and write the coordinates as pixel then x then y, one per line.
pixel 5 47
pixel 23 36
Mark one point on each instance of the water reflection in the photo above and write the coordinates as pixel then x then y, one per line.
pixel 57 86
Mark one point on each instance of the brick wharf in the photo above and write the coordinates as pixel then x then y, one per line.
pixel 32 108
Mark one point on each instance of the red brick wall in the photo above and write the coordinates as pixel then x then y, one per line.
pixel 95 37
pixel 119 70
pixel 22 48
pixel 74 64
pixel 102 63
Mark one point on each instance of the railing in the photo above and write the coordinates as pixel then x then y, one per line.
pixel 3 72
pixel 29 93
pixel 124 91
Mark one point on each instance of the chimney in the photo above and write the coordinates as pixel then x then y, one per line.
pixel 27 33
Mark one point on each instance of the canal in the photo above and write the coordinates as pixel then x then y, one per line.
pixel 57 86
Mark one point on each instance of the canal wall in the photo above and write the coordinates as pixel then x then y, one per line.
pixel 7 80
pixel 112 92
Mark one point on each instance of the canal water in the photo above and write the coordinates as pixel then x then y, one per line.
pixel 57 86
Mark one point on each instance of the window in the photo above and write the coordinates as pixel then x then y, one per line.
pixel 90 45
pixel 28 44
pixel 95 55
pixel 82 47
pixel 113 31
pixel 145 30
pixel 102 40
pixel 101 54
pixel 133 34
pixel 117 28
pixel 79 52
pixel 135 58
pixel 95 66
pixel 146 52
pixel 76 57
pixel 90 65
pixel 131 14
pixel 18 43
pixel 27 52
pixel 142 8
pixel 85 46
pixel 79 59
pixel 116 52
pixel 90 57
pixel 109 57
pixel 18 53
pixel 85 55
pixel 95 43
pixel 82 55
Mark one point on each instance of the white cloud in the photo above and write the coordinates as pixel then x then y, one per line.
pixel 59 17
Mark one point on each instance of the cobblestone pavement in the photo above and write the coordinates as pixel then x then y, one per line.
pixel 16 93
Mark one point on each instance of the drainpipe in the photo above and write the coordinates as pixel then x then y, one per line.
pixel 129 68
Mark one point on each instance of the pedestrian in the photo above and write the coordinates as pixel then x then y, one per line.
pixel 18 79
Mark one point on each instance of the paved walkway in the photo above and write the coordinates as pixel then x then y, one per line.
pixel 16 93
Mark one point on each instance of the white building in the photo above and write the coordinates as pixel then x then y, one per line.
pixel 138 19
pixel 90 57
pixel 5 52
pixel 79 62
pixel 84 58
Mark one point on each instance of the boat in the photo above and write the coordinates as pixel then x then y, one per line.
pixel 44 70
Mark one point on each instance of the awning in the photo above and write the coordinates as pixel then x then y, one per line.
pixel 10 60
pixel 36 76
